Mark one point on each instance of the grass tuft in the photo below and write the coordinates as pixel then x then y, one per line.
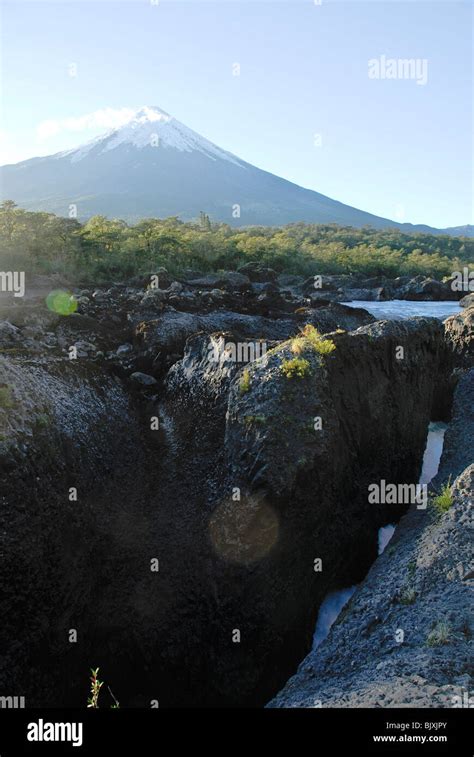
pixel 444 499
pixel 439 634
pixel 298 367
pixel 245 382
pixel 311 339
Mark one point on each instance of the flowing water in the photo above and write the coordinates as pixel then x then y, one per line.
pixel 393 309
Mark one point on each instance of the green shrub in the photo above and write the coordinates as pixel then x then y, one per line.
pixel 310 338
pixel 298 367
pixel 443 501
pixel 439 634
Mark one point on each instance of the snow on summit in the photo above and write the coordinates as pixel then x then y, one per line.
pixel 151 126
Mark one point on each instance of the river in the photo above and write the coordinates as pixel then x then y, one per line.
pixel 393 309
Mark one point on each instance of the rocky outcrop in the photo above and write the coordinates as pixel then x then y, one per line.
pixel 405 638
pixel 288 483
pixel 422 288
pixel 257 272
pixel 356 355
pixel 85 564
pixel 347 287
pixel 460 337
pixel 168 332
pixel 232 280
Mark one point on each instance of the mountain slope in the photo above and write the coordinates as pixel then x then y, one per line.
pixel 156 166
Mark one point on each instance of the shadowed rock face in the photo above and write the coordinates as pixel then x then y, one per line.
pixel 229 561
pixel 458 449
pixel 375 411
pixel 420 586
pixel 63 426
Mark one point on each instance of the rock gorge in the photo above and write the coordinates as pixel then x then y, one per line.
pixel 235 496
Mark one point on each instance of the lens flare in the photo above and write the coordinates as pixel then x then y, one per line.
pixel 61 302
pixel 244 531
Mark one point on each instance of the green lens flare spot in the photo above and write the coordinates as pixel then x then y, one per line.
pixel 61 302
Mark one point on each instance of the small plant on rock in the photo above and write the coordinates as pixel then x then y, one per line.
pixel 444 499
pixel 244 385
pixel 96 686
pixel 298 367
pixel 439 634
pixel 311 339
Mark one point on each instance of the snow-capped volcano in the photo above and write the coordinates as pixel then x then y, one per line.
pixel 154 166
pixel 151 126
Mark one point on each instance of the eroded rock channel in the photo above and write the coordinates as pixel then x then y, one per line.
pixel 233 497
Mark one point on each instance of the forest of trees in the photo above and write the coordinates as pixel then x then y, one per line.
pixel 103 249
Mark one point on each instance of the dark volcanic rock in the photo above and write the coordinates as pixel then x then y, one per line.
pixel 376 295
pixel 168 332
pixel 459 330
pixel 202 378
pixel 421 288
pixel 220 477
pixel 375 412
pixel 282 494
pixel 143 379
pixel 357 392
pixel 232 280
pixel 467 301
pixel 257 272
pixel 458 448
pixel 63 424
pixel 405 638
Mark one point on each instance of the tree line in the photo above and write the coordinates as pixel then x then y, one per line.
pixel 103 249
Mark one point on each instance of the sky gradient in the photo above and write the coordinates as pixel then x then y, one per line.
pixel 302 107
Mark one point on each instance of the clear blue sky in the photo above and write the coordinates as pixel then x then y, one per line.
pixel 392 147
